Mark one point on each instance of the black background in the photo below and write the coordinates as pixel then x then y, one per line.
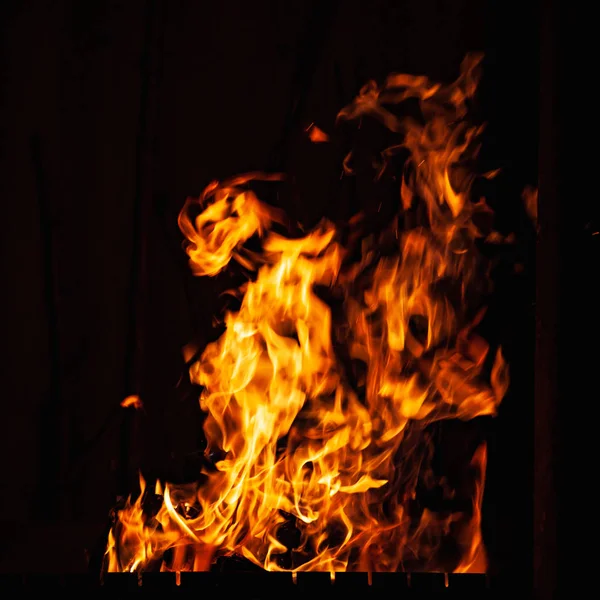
pixel 112 113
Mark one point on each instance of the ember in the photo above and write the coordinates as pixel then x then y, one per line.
pixel 318 420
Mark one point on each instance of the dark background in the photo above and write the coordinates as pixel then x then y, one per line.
pixel 112 113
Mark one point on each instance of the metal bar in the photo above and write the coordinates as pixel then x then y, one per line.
pixel 257 585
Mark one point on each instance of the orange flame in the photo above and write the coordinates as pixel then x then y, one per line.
pixel 134 401
pixel 316 135
pixel 530 200
pixel 320 418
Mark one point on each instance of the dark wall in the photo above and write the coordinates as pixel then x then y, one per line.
pixel 112 113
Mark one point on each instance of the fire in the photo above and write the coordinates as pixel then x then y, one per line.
pixel 134 401
pixel 316 135
pixel 320 419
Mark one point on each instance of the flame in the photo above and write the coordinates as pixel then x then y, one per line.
pixel 474 559
pixel 316 135
pixel 134 401
pixel 530 200
pixel 318 422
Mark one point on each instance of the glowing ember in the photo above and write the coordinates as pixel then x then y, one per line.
pixel 321 419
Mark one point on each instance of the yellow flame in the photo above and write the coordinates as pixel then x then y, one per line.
pixel 336 446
